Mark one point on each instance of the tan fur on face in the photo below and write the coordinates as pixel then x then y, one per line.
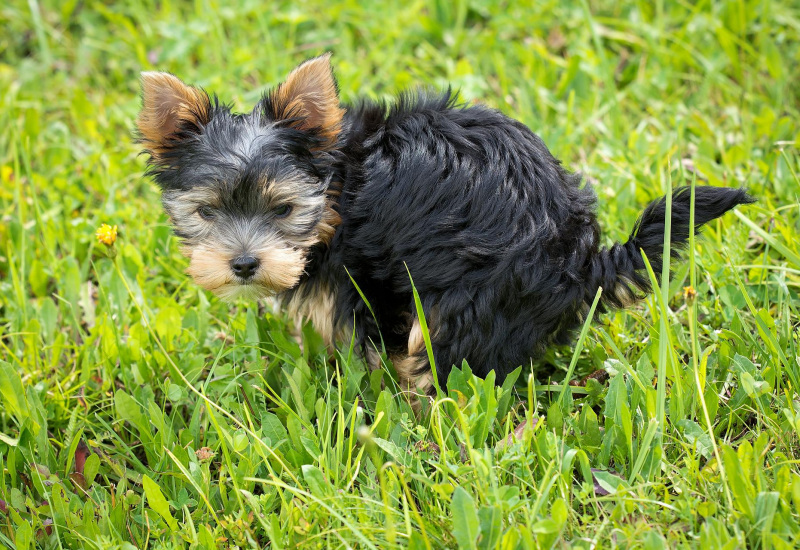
pixel 212 244
pixel 280 269
pixel 309 94
pixel 166 103
pixel 209 267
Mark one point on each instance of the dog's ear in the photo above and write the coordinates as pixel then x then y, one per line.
pixel 171 110
pixel 309 100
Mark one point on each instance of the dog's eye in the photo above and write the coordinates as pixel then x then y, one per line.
pixel 206 212
pixel 282 211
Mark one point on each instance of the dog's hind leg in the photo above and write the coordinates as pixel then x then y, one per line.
pixel 413 369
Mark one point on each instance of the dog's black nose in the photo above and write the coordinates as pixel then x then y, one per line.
pixel 244 266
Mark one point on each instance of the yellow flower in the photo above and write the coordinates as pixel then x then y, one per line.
pixel 106 234
pixel 689 294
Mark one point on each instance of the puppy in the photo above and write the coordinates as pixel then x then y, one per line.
pixel 304 196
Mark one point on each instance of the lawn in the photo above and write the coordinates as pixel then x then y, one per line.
pixel 140 411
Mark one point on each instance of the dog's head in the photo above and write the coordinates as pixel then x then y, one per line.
pixel 248 194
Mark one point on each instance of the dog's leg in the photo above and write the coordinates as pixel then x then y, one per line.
pixel 372 357
pixel 413 369
pixel 416 387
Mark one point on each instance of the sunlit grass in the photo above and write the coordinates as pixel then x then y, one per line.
pixel 136 410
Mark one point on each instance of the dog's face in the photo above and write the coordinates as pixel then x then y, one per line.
pixel 248 194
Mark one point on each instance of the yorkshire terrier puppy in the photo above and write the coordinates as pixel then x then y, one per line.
pixel 303 193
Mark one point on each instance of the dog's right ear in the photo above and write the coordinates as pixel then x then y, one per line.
pixel 171 111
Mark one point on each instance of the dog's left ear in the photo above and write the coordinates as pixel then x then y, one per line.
pixel 309 100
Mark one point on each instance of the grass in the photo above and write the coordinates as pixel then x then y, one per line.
pixel 137 411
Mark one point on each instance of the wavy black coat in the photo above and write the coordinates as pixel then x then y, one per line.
pixel 500 239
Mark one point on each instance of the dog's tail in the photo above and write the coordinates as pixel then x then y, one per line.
pixel 621 271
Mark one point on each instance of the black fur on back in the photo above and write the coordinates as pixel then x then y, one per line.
pixel 500 239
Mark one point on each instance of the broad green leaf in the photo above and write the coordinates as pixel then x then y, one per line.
pixel 417 542
pixel 738 482
pixel 384 408
pixel 545 527
pixel 11 391
pixel 174 392
pixel 491 526
pixel 465 519
pixel 168 324
pixel 128 409
pixel 272 429
pixel 652 540
pixel 90 468
pixel 319 486
pixel 240 441
pixel 396 453
pixel 559 512
pixel 607 481
pixel 23 537
pixel 156 501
